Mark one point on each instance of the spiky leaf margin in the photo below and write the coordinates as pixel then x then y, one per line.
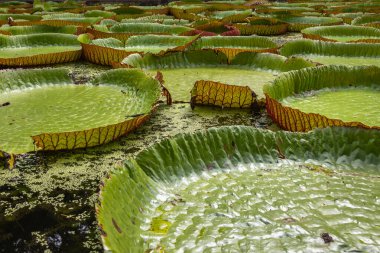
pixel 221 95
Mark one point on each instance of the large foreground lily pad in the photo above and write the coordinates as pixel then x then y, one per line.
pixel 240 189
pixel 47 106
pixel 326 96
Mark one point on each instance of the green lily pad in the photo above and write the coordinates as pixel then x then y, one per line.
pixel 38 49
pixel 47 105
pixel 71 17
pixel 262 26
pixel 151 28
pixel 351 104
pixel 326 96
pixel 233 16
pixel 210 191
pixel 353 54
pixel 181 70
pixel 368 20
pixel 22 30
pixel 297 23
pixel 110 50
pixel 233 45
pixel 342 33
pixel 123 31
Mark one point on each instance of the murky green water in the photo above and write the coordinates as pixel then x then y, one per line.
pixel 359 104
pixel 181 81
pixel 60 109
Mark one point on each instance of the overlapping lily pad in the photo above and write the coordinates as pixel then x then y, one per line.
pixel 233 16
pixel 368 20
pixel 22 30
pixel 47 106
pixel 243 189
pixel 181 70
pixel 354 54
pixel 110 50
pixel 343 33
pixel 38 49
pixel 233 45
pixel 214 28
pixel 262 26
pixel 123 31
pixel 18 18
pixel 297 23
pixel 325 96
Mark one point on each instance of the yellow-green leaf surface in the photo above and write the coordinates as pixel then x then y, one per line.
pixel 353 54
pixel 61 115
pixel 239 189
pixel 343 33
pixel 37 49
pixel 297 23
pixel 21 30
pixel 181 70
pixel 325 96
pixel 110 50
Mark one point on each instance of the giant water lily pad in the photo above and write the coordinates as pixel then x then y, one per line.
pixel 47 106
pixel 354 54
pixel 233 16
pixel 21 30
pixel 297 23
pixel 326 96
pixel 242 189
pixel 343 33
pixel 111 50
pixel 38 49
pixel 262 26
pixel 123 31
pixel 233 45
pixel 368 20
pixel 4 18
pixel 181 70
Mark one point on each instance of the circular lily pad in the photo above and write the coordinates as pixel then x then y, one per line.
pixel 123 31
pixel 181 70
pixel 111 50
pixel 353 54
pixel 38 49
pixel 262 26
pixel 343 33
pixel 47 106
pixel 325 96
pixel 21 30
pixel 211 191
pixel 297 23
pixel 233 45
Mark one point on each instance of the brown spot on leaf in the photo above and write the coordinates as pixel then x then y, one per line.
pixel 327 238
pixel 116 226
